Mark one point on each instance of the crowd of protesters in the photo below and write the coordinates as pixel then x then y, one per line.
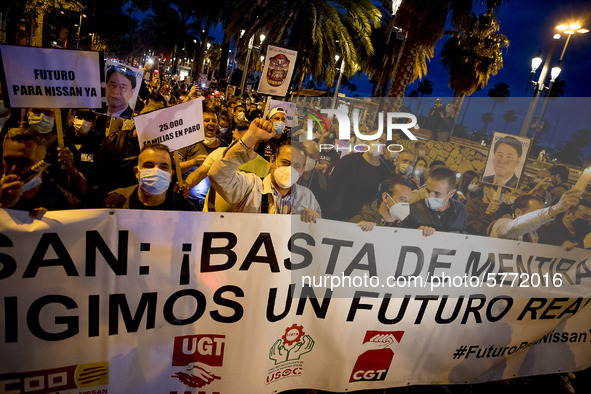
pixel 247 163
pixel 251 163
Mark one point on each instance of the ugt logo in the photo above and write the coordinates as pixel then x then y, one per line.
pixel 199 353
pixel 292 345
pixel 374 362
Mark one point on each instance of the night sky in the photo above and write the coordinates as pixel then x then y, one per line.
pixel 529 26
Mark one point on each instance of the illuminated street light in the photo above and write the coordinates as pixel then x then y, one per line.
pixel 570 30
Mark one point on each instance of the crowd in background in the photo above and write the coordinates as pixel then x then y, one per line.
pixel 249 164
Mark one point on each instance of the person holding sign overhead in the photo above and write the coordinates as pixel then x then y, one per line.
pixel 120 89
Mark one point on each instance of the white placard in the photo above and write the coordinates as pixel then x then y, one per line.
pixel 176 127
pixel 279 65
pixel 51 78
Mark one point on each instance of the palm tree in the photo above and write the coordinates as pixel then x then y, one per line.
pixel 487 118
pixel 317 29
pixel 509 117
pixel 424 22
pixel 425 88
pixel 499 94
pixel 473 55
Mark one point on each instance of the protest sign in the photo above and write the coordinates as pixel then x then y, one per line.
pixel 506 160
pixel 176 127
pixel 122 88
pixel 279 65
pixel 147 301
pixel 50 78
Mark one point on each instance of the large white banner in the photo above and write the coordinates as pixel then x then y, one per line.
pixel 51 78
pixel 279 65
pixel 131 301
pixel 176 127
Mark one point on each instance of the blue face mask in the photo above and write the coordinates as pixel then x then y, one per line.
pixel 223 130
pixel 278 126
pixel 154 180
pixel 34 182
pixel 435 203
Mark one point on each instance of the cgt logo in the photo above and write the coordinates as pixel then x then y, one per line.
pixel 374 362
pixel 198 353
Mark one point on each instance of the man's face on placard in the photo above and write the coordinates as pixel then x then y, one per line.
pixel 505 161
pixel 119 92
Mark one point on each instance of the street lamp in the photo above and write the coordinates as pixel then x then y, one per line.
pixel 569 30
pixel 79 26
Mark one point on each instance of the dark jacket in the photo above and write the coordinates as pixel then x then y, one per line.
pixel 453 219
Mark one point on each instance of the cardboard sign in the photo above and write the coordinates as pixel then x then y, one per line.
pixel 176 127
pixel 122 88
pixel 506 160
pixel 50 78
pixel 279 65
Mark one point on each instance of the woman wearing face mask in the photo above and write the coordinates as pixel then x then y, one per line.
pixel 390 208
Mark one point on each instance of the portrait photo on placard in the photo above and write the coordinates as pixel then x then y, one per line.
pixel 122 85
pixel 506 160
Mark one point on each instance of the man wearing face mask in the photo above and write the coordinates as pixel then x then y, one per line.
pixel 570 230
pixel 42 120
pixel 438 209
pixel 390 208
pixel 276 193
pixel 25 184
pixel 192 156
pixel 154 173
pixel 257 165
pixel 277 117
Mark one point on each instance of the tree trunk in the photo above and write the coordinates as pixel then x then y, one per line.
pixel 37 30
pixel 203 49
pixel 223 70
pixel 404 70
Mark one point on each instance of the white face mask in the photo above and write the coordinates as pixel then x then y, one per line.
pixel 310 164
pixel 286 176
pixel 81 126
pixel 278 126
pixel 404 169
pixel 223 130
pixel 41 123
pixel 154 180
pixel 34 182
pixel 400 210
